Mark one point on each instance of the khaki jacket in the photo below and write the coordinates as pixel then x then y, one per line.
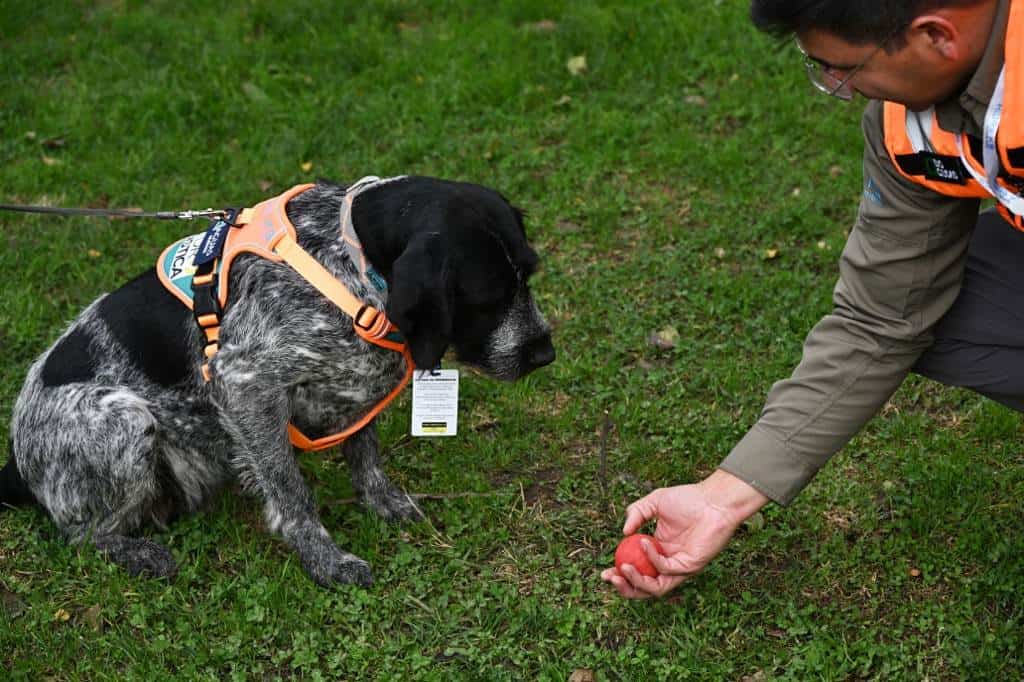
pixel 899 273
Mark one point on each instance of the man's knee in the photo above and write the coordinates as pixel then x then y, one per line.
pixel 996 372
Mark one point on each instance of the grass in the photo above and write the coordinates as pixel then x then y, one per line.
pixel 657 183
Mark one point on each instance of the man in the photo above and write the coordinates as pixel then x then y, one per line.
pixel 920 288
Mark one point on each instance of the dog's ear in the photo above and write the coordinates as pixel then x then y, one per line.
pixel 420 299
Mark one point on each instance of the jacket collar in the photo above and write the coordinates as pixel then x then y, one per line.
pixel 966 111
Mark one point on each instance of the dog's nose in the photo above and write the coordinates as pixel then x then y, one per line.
pixel 540 352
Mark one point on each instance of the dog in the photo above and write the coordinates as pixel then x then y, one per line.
pixel 116 428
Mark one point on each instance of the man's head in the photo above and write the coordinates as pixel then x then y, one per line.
pixel 916 52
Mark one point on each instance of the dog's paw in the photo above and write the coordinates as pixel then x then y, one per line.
pixel 329 566
pixel 394 505
pixel 138 556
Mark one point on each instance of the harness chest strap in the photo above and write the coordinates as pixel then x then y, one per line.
pixel 369 323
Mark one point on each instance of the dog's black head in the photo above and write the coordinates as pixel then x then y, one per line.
pixel 457 261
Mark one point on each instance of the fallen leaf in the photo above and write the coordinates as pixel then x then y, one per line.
pixel 93 253
pixel 93 617
pixel 62 615
pixel 720 252
pixel 664 339
pixel 577 65
pixel 563 100
pixel 696 100
pixel 915 572
pixel 542 26
pixel 795 192
pixel 307 166
pixel 11 603
pixel 835 171
pixel 30 135
pixel 582 675
pixel 253 92
pixel 771 254
pixel 50 161
pixel 265 185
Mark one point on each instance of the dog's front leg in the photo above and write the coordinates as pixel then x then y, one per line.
pixel 375 490
pixel 257 420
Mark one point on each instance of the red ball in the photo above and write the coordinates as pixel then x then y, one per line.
pixel 629 551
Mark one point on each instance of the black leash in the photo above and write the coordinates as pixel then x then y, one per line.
pixel 117 212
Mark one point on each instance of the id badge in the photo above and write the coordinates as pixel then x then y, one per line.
pixel 435 402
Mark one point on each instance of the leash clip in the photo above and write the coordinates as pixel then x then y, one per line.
pixel 203 213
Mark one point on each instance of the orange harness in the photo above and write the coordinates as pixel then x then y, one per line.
pixel 264 230
pixel 954 164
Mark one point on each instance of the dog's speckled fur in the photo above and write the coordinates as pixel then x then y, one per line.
pixel 115 428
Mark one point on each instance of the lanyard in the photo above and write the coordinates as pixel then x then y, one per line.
pixel 1013 202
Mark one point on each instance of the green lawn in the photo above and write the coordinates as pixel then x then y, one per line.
pixel 687 178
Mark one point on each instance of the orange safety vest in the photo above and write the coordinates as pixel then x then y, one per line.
pixel 953 163
pixel 264 230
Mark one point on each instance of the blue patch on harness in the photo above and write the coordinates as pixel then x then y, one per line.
pixel 213 240
pixel 179 263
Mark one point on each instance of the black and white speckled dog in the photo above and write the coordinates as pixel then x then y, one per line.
pixel 115 427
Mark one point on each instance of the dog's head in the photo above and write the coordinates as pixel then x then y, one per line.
pixel 457 262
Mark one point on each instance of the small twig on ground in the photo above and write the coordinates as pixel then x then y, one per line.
pixel 603 453
pixel 422 496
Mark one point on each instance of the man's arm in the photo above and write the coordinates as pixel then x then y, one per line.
pixel 899 273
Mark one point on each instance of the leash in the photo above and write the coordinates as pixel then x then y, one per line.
pixel 117 212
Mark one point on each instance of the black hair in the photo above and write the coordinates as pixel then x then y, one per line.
pixel 860 23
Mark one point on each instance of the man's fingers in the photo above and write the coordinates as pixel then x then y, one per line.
pixel 639 581
pixel 652 587
pixel 638 513
pixel 627 590
pixel 669 565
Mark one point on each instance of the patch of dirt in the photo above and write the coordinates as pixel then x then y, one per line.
pixel 538 486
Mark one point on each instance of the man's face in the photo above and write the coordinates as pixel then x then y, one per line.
pixel 909 76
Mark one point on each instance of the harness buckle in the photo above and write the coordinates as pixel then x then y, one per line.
pixel 376 328
pixel 357 320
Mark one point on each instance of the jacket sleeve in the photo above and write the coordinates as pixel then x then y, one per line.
pixel 899 272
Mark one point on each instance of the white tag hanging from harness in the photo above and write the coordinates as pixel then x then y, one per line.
pixel 435 402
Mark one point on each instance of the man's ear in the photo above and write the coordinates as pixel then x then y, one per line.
pixel 939 34
pixel 420 299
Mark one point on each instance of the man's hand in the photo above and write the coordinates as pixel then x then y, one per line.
pixel 694 523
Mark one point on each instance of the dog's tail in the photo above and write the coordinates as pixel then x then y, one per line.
pixel 13 490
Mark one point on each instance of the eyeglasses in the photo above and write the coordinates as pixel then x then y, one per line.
pixel 822 75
